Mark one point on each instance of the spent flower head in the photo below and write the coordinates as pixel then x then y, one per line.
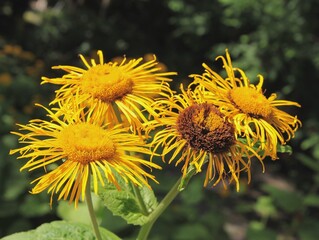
pixel 196 132
pixel 255 117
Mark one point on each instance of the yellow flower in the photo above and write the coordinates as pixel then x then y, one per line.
pixel 255 116
pixel 196 132
pixel 80 145
pixel 128 87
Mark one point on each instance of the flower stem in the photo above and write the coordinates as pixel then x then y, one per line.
pixel 89 204
pixel 139 197
pixel 170 196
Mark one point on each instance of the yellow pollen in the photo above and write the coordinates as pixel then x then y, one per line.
pixel 106 83
pixel 250 102
pixel 86 143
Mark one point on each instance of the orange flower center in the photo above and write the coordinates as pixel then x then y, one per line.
pixel 106 83
pixel 85 143
pixel 204 128
pixel 250 102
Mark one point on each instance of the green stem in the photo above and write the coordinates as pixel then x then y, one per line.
pixel 170 196
pixel 140 200
pixel 91 210
pixel 117 113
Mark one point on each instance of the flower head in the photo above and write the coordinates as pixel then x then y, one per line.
pixel 79 146
pixel 127 87
pixel 255 116
pixel 195 132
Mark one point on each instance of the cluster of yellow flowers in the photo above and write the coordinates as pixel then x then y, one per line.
pixel 103 115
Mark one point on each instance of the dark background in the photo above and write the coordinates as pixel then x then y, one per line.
pixel 276 38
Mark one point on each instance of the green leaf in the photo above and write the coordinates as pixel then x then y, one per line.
pixel 126 202
pixel 257 230
pixel 312 200
pixel 34 206
pixel 308 161
pixel 191 231
pixel 194 193
pixel 265 206
pixel 62 230
pixel 309 229
pixel 67 212
pixel 315 152
pixel 310 142
pixel 289 201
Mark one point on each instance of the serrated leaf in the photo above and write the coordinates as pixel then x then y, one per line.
pixel 126 202
pixel 62 230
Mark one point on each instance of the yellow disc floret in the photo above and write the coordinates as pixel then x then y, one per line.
pixel 85 143
pixel 106 83
pixel 251 102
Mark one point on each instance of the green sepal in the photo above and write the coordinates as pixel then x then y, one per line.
pixel 280 148
pixel 191 171
pixel 284 149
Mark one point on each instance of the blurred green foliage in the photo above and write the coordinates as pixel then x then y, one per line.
pixel 277 38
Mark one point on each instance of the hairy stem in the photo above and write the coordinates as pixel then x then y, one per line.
pixel 170 196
